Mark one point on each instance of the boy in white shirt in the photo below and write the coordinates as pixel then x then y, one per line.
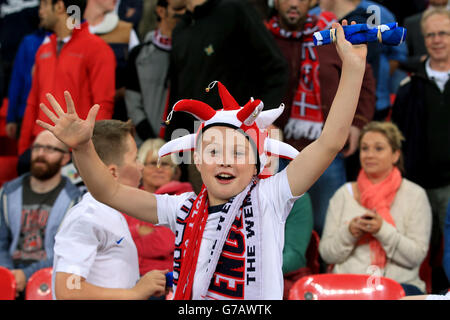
pixel 229 238
pixel 95 255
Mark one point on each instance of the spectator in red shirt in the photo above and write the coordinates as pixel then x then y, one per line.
pixel 70 59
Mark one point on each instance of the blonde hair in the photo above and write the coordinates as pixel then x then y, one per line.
pixel 431 12
pixel 392 134
pixel 152 146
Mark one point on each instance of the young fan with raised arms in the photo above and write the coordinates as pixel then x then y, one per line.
pixel 229 237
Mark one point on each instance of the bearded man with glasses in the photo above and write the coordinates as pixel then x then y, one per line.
pixel 32 208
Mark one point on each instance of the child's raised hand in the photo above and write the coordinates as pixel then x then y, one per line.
pixel 68 127
pixel 349 54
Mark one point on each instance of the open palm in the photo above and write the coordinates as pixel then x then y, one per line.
pixel 67 126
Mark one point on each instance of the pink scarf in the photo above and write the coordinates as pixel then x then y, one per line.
pixel 378 197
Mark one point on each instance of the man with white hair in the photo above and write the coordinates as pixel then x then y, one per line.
pixel 422 113
pixel 417 53
pixel 32 208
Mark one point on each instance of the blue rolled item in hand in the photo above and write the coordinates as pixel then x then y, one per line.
pixel 169 279
pixel 390 34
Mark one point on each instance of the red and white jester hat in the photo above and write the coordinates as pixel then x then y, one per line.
pixel 249 119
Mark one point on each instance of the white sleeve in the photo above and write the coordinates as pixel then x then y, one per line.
pixel 134 40
pixel 168 207
pixel 438 296
pixel 76 246
pixel 275 193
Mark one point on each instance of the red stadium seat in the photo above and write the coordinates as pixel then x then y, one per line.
pixel 312 253
pixel 39 286
pixel 312 265
pixel 3 113
pixel 7 284
pixel 425 272
pixel 346 287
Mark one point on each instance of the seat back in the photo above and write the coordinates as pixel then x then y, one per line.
pixel 7 284
pixel 39 286
pixel 346 287
pixel 312 253
pixel 425 272
pixel 312 265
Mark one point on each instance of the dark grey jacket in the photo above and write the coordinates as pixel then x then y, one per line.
pixel 147 87
pixel 415 43
pixel 421 111
pixel 224 40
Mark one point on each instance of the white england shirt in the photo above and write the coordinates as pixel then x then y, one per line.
pixel 275 202
pixel 94 242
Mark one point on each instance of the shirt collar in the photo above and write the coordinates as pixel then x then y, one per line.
pixel 65 40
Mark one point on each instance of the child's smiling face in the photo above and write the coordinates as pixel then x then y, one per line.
pixel 226 162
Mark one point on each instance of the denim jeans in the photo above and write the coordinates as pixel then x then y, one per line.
pixel 324 188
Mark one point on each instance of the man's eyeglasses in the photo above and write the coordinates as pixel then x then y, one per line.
pixel 440 34
pixel 154 164
pixel 47 149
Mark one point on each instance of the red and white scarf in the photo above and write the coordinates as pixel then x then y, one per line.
pixel 306 119
pixel 234 270
pixel 161 41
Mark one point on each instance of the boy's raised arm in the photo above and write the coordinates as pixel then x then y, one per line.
pixel 309 165
pixel 76 133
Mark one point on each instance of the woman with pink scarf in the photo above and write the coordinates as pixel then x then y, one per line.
pixel 381 223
